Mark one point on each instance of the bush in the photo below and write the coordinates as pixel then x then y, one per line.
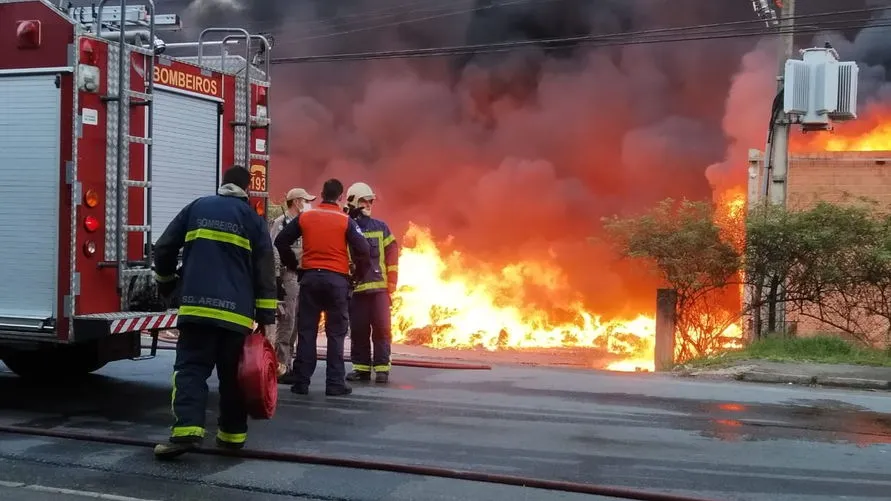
pixel 685 246
pixel 828 262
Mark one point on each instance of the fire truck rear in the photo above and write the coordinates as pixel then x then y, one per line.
pixel 104 137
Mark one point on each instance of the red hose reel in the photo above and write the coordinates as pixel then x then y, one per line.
pixel 258 376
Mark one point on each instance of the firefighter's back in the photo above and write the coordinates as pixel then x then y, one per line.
pixel 227 283
pixel 218 272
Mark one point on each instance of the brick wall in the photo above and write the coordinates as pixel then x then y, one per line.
pixel 833 177
pixel 838 177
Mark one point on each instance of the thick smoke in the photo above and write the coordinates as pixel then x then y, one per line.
pixel 519 155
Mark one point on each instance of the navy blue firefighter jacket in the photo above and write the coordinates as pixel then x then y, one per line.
pixel 228 271
pixel 384 271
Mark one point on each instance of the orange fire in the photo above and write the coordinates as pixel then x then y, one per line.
pixel 870 132
pixel 447 301
pixel 444 301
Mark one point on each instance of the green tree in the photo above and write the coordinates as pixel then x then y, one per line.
pixel 684 246
pixel 872 277
pixel 811 260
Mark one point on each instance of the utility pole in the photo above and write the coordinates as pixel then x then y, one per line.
pixel 779 152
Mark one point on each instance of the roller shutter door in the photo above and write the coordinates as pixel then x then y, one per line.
pixel 30 113
pixel 185 161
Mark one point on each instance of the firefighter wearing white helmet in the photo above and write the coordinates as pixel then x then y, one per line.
pixel 372 296
pixel 360 192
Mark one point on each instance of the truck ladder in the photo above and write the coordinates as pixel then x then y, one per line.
pixel 244 123
pixel 252 122
pixel 121 98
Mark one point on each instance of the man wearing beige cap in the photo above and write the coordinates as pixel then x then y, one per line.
pixel 297 200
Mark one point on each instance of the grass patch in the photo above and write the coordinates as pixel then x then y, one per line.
pixel 818 349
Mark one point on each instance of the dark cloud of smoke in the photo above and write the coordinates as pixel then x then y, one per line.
pixel 519 155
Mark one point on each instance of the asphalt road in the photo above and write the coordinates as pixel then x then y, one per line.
pixel 718 440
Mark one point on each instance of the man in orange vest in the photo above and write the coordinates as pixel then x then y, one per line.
pixel 330 240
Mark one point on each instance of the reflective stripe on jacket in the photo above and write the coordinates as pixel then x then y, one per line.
pixel 227 273
pixel 384 270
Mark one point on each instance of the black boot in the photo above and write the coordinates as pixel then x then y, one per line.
pixel 359 376
pixel 338 391
pixel 287 378
pixel 381 377
pixel 176 448
pixel 222 444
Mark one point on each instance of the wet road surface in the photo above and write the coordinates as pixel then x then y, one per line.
pixel 719 440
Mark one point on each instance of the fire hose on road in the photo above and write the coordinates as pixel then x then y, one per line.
pixel 374 465
pixel 402 362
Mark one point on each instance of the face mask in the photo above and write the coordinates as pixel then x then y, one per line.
pixel 307 206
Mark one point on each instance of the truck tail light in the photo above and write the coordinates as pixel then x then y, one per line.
pixel 260 207
pixel 27 34
pixel 91 224
pixel 262 110
pixel 89 248
pixel 91 198
pixel 87 53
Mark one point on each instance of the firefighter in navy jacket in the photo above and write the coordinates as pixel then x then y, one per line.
pixel 330 239
pixel 372 297
pixel 228 283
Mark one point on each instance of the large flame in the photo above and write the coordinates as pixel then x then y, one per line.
pixel 870 132
pixel 448 300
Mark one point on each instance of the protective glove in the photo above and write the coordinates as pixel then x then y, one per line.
pixel 166 289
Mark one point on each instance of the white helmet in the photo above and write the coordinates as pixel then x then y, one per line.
pixel 357 192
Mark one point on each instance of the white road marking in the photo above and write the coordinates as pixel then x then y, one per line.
pixel 71 492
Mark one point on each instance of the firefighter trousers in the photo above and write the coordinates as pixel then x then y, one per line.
pixel 199 349
pixel 370 326
pixel 286 324
pixel 322 290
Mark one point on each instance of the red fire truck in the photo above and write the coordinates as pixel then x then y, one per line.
pixel 104 137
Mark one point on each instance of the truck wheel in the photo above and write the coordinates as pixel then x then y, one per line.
pixel 53 364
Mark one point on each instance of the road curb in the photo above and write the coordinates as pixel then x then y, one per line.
pixel 775 378
pixel 802 379
pixel 858 383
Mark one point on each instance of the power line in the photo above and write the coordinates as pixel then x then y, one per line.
pixel 457 51
pixel 686 33
pixel 414 20
pixel 413 7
